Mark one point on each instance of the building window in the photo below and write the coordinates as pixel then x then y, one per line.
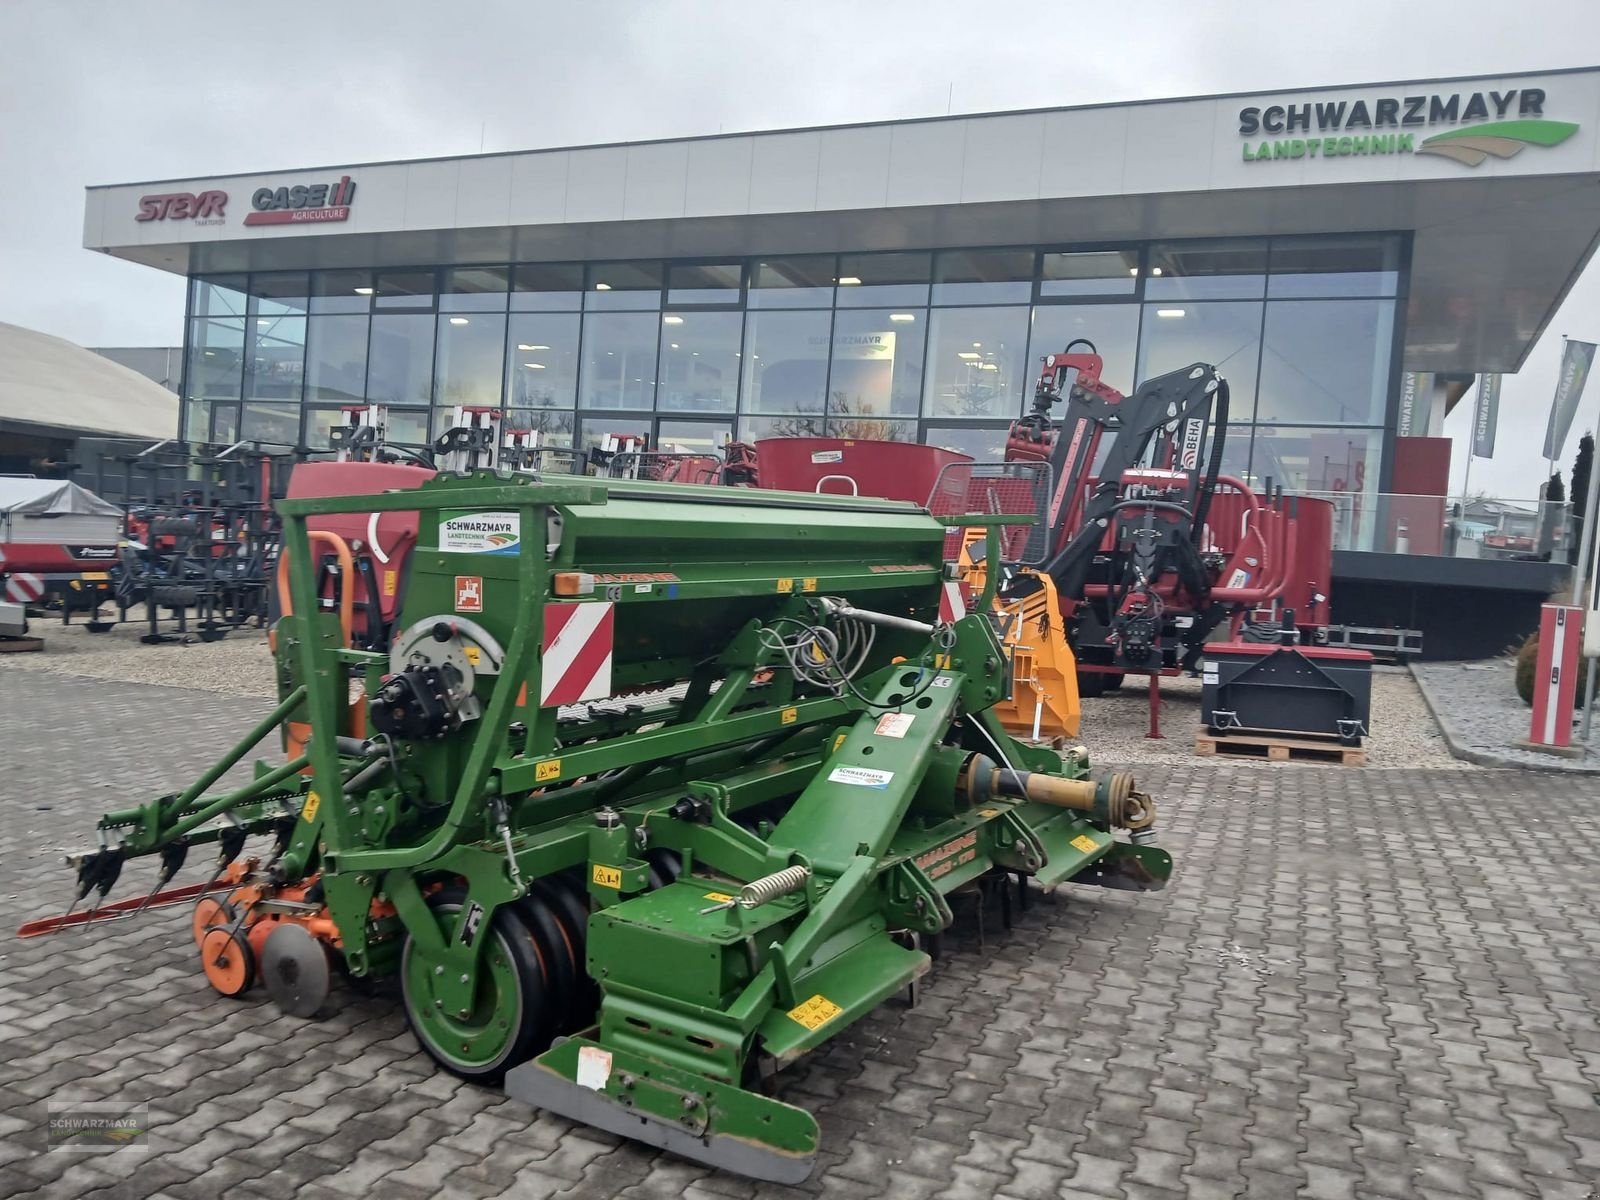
pixel 623 285
pixel 553 428
pixel 1224 335
pixel 216 359
pixel 1112 328
pixel 982 443
pixel 877 363
pixel 693 437
pixel 277 424
pixel 870 280
pixel 1223 269
pixel 1322 462
pixel 400 359
pixel 596 429
pixel 408 427
pixel 341 291
pixel 699 369
pixel 280 294
pixel 403 290
pixel 1326 362
pixel 542 361
pixel 471 359
pixel 753 429
pixel 805 282
pixel 219 296
pixel 336 359
pixel 619 360
pixel 705 283
pixel 1074 274
pixel 547 287
pixel 276 358
pixel 983 277
pixel 1334 266
pixel 474 289
pixel 786 362
pixel 976 362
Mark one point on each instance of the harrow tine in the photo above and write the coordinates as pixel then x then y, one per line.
pixel 172 857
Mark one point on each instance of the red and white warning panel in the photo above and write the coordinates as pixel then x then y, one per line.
pixel 1556 676
pixel 952 602
pixel 578 640
pixel 23 588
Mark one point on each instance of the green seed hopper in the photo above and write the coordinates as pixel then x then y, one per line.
pixel 658 788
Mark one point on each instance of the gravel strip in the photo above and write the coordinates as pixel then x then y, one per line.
pixel 238 665
pixel 1484 718
pixel 1404 733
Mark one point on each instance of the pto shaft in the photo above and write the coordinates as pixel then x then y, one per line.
pixel 1111 801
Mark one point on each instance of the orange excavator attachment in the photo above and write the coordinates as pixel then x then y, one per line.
pixel 1044 674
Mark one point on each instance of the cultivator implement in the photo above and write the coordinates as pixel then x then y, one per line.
pixel 657 786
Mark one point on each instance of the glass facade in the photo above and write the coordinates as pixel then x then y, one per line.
pixel 937 346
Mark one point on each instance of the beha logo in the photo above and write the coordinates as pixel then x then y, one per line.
pixel 204 209
pixel 301 203
pixel 1356 128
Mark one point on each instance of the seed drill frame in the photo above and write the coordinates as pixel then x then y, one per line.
pixel 622 912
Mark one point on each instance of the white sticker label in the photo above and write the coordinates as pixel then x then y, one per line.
pixel 594 1067
pixel 643 588
pixel 861 777
pixel 1238 579
pixel 481 533
pixel 943 681
pixel 827 456
pixel 893 725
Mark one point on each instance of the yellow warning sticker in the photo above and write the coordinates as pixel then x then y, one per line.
pixel 941 661
pixel 839 741
pixel 390 577
pixel 308 811
pixel 789 715
pixel 808 584
pixel 1085 843
pixel 815 1012
pixel 549 769
pixel 719 897
pixel 786 585
pixel 474 654
pixel 610 877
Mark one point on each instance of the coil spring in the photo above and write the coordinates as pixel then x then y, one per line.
pixel 770 887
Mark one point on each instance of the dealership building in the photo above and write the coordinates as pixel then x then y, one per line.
pixel 1350 257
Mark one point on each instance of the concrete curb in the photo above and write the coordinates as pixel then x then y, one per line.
pixel 1465 751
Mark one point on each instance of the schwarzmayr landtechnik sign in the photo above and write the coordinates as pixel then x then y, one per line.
pixel 1482 123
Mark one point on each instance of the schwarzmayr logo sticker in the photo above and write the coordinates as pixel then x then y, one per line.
pixel 481 533
pixel 1498 124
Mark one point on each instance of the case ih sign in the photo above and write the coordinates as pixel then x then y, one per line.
pixel 301 203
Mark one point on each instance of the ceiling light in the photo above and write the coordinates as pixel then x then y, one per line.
pixel 1155 270
pixel 674 345
pixel 458 320
pixel 977 345
pixel 1170 312
pixel 262 321
pixel 1133 270
pixel 901 317
pixel 968 354
pixel 848 281
pixel 602 287
pixel 535 366
pixel 363 291
pixel 988 366
pixel 669 319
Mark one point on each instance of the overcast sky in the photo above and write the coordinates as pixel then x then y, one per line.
pixel 93 91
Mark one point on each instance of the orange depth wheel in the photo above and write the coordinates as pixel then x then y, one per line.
pixel 209 911
pixel 228 961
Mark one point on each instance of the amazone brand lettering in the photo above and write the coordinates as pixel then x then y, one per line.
pixel 943 859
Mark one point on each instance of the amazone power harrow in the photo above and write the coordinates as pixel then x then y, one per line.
pixel 659 785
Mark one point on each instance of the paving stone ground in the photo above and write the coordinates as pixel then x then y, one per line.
pixel 1360 984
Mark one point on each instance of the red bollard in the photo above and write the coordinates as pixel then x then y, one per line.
pixel 1555 681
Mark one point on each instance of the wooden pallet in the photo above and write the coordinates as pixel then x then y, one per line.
pixel 20 645
pixel 1281 749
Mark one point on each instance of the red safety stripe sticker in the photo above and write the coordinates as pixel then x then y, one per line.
pixel 24 589
pixel 576 665
pixel 952 603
